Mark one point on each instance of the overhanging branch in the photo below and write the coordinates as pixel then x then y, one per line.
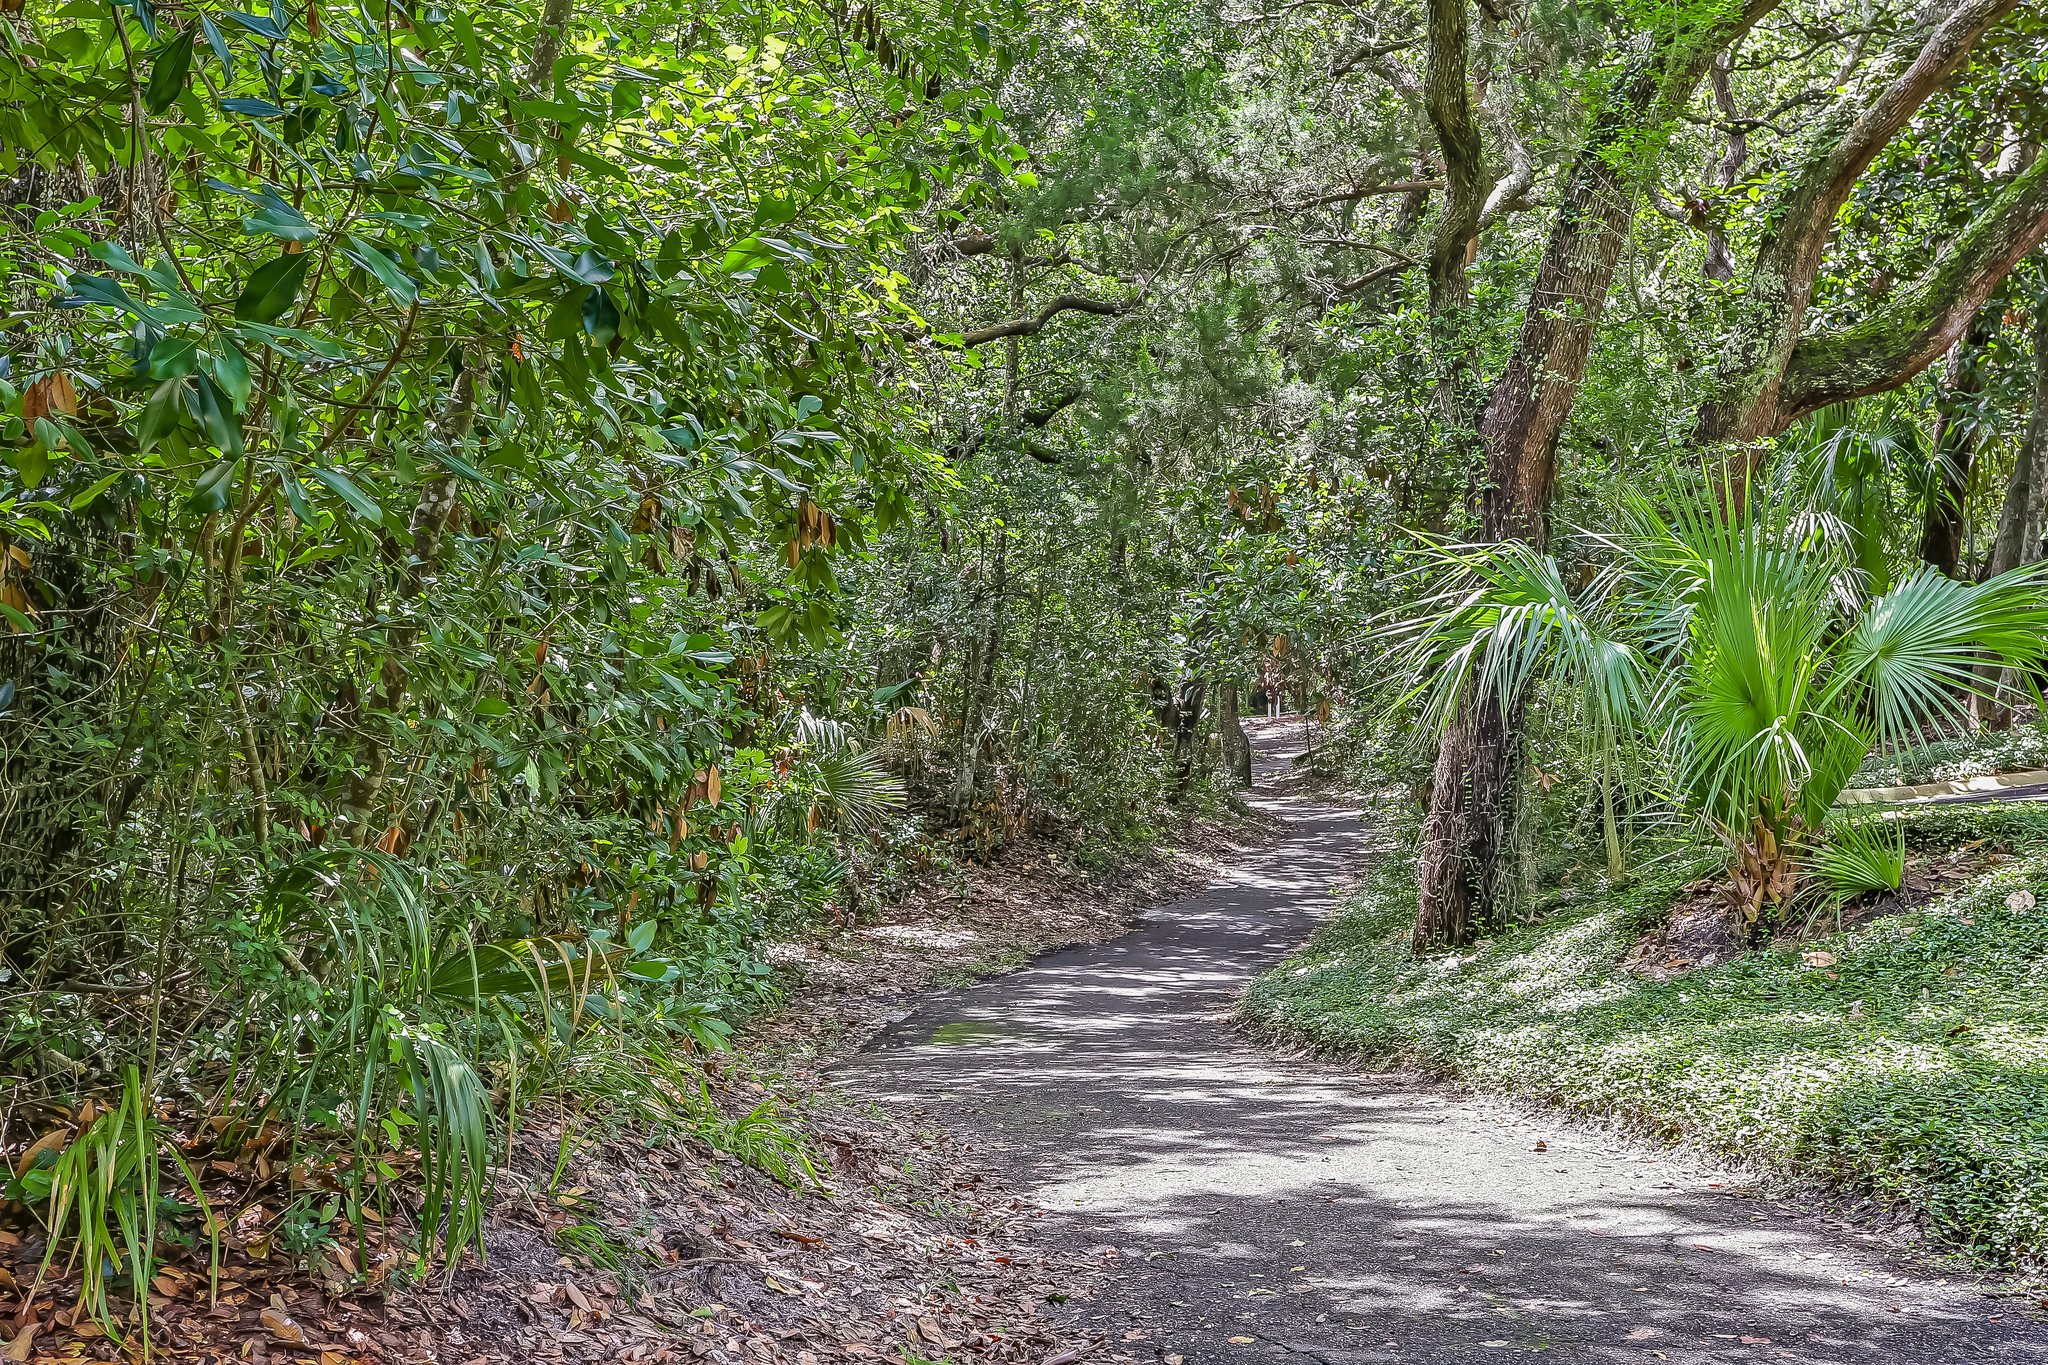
pixel 1923 322
pixel 1065 303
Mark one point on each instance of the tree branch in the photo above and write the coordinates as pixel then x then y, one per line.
pixel 1842 144
pixel 1373 53
pixel 1355 192
pixel 1065 303
pixel 1038 417
pixel 1447 94
pixel 1922 322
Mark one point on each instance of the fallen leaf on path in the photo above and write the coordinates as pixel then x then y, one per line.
pixel 1641 1333
pixel 1241 1341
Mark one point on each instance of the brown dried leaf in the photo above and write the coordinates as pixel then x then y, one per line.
pixel 280 1325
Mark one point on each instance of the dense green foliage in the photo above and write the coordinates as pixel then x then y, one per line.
pixel 1908 1064
pixel 506 509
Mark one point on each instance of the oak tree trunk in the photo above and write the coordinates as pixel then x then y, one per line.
pixel 1944 520
pixel 2024 516
pixel 1463 869
pixel 1235 743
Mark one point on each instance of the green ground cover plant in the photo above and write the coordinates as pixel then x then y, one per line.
pixel 1958 758
pixel 1906 1058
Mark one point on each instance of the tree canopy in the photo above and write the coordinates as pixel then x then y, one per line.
pixel 506 509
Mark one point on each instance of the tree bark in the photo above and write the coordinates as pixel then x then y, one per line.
pixel 432 511
pixel 2024 516
pixel 1923 321
pixel 1476 769
pixel 2023 519
pixel 1462 871
pixel 1187 726
pixel 1943 521
pixel 1447 95
pixel 1236 744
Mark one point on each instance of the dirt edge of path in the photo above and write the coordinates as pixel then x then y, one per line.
pixel 904 1249
pixel 845 987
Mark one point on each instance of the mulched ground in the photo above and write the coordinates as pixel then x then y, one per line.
pixel 1702 930
pixel 901 1251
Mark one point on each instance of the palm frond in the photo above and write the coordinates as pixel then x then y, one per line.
pixel 1501 616
pixel 1911 662
pixel 1862 856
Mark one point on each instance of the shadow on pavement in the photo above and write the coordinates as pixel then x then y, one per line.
pixel 1261 1208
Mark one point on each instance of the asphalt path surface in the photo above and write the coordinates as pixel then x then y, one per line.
pixel 1264 1209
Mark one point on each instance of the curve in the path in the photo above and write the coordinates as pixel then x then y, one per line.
pixel 1264 1210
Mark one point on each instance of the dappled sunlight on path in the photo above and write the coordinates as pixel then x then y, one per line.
pixel 1264 1209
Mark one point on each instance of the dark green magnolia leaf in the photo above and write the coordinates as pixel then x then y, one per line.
pixel 219 45
pixel 259 24
pixel 173 357
pixel 272 289
pixel 586 267
pixel 463 468
pixel 345 488
pixel 300 123
pixel 230 370
pixel 216 417
pixel 210 494
pixel 115 255
pixel 160 414
pixel 104 289
pixel 295 498
pixel 566 316
pixel 170 72
pixel 394 280
pixel 90 495
pixel 669 263
pixel 31 462
pixel 410 222
pixel 253 108
pixel 601 317
pixel 493 707
pixel 279 219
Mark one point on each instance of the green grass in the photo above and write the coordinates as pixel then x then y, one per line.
pixel 1918 1073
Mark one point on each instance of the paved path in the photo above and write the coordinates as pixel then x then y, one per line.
pixel 1267 1210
